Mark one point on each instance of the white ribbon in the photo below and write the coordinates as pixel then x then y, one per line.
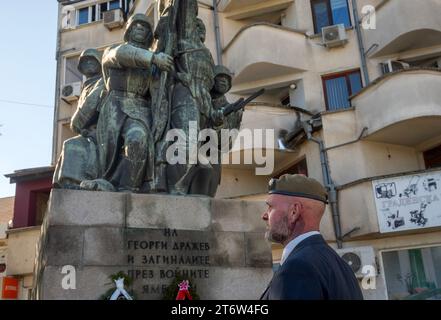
pixel 120 290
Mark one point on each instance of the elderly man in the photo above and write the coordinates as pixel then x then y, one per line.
pixel 309 268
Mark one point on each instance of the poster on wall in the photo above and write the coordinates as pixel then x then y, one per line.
pixel 408 202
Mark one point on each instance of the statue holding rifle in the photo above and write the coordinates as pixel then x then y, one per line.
pixel 207 180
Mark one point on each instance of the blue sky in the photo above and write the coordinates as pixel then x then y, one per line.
pixel 28 32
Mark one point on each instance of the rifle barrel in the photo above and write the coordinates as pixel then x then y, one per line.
pixel 241 103
pixel 254 96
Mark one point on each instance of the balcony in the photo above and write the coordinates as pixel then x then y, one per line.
pixel 245 9
pixel 91 35
pixel 400 203
pixel 404 25
pixel 263 51
pixel 401 108
pixel 261 116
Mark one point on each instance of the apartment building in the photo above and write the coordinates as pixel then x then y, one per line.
pixel 25 211
pixel 6 213
pixel 352 97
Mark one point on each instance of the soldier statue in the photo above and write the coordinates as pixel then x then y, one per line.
pixel 124 115
pixel 222 85
pixel 78 160
pixel 124 129
pixel 191 101
pixel 207 181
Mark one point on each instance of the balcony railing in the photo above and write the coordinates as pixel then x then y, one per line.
pixel 244 9
pixel 403 25
pixel 261 51
pixel 401 108
pixel 260 129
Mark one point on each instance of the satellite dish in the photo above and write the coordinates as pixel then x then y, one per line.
pixel 353 260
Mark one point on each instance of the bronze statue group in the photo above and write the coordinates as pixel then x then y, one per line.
pixel 134 95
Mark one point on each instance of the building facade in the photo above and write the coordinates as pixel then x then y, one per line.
pixel 26 211
pixel 352 100
pixel 7 290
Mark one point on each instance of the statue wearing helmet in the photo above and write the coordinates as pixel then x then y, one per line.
pixel 124 129
pixel 222 85
pixel 78 160
pixel 207 180
pixel 191 100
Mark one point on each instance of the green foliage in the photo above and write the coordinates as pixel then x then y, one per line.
pixel 172 290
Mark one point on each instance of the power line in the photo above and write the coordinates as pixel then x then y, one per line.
pixel 27 104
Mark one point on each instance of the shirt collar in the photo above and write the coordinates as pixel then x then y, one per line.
pixel 293 243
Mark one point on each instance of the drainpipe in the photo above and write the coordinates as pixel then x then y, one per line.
pixel 57 88
pixel 332 190
pixel 360 43
pixel 217 32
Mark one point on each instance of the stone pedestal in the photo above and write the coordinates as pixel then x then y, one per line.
pixel 219 244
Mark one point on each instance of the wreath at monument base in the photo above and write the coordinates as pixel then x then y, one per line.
pixel 173 289
pixel 127 284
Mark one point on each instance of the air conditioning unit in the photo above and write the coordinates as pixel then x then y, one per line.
pixel 113 19
pixel 334 36
pixel 357 258
pixel 70 92
pixel 393 65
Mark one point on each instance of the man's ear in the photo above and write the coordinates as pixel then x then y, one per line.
pixel 295 210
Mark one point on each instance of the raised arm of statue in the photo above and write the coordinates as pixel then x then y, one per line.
pixel 127 56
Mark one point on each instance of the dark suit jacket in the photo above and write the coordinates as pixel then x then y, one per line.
pixel 313 271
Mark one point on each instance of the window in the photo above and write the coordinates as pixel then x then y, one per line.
pixel 300 167
pixel 127 5
pixel 95 12
pixel 329 12
pixel 86 15
pixel 413 274
pixel 338 88
pixel 432 158
pixel 114 5
pixel 42 200
pixel 83 16
pixel 103 8
pixel 71 73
